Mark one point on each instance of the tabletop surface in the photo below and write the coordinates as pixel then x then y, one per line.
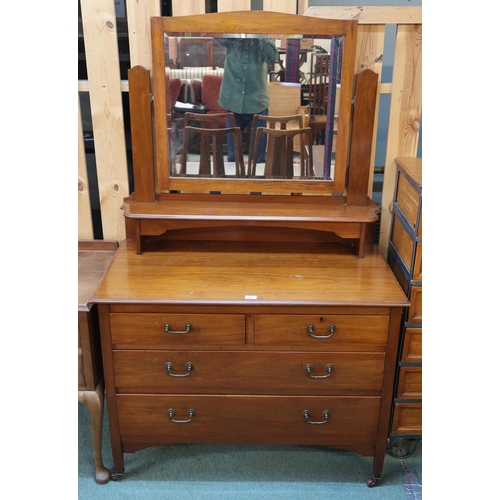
pixel 249 273
pixel 94 257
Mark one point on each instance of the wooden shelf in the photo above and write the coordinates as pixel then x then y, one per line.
pixel 190 211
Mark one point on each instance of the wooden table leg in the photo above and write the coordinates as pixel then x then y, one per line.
pixel 94 401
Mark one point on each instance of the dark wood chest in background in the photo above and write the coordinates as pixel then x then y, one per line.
pixel 405 259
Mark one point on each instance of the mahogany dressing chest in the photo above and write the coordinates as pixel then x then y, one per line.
pixel 251 308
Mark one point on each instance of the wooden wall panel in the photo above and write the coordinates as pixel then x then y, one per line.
pixel 101 50
pixel 233 5
pixel 85 231
pixel 404 117
pixel 369 55
pixel 370 48
pixel 405 88
pixel 139 13
pixel 370 15
pixel 188 7
pixel 302 6
pixel 286 6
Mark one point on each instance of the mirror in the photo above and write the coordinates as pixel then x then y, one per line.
pixel 266 110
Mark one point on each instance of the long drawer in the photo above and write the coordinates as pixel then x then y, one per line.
pixel 171 330
pixel 329 420
pixel 233 372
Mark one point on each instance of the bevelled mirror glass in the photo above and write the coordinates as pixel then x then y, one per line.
pixel 253 105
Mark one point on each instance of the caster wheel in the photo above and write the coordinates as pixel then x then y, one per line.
pixel 371 482
pixel 115 476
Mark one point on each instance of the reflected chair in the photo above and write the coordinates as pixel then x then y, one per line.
pixel 210 121
pixel 285 100
pixel 206 91
pixel 211 146
pixel 284 123
pixel 175 90
pixel 279 155
pixel 318 92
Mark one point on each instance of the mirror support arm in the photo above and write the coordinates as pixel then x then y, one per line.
pixel 141 129
pixel 365 101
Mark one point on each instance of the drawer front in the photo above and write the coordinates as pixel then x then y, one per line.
pixel 412 346
pixel 410 383
pixel 402 242
pixel 398 273
pixel 248 372
pixel 417 266
pixel 415 309
pixel 321 332
pixel 144 329
pixel 81 373
pixel 407 197
pixel 351 422
pixel 407 418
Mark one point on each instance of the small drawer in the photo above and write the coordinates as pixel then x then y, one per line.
pixel 415 309
pixel 344 422
pixel 321 332
pixel 410 383
pixel 403 242
pixel 407 418
pixel 172 330
pixel 231 372
pixel 412 345
pixel 408 197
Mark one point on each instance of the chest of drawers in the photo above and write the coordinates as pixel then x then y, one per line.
pixel 218 342
pixel 405 259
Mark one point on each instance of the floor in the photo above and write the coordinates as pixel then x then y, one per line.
pixel 233 472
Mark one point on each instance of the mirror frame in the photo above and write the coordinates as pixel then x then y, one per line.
pixel 251 22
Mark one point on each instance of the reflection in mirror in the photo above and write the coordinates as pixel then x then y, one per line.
pixel 226 95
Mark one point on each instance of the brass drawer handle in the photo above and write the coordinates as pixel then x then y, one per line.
pixel 189 327
pixel 170 367
pixel 329 370
pixel 171 415
pixel 326 416
pixel 331 331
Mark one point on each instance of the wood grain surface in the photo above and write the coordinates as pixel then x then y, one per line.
pixel 249 273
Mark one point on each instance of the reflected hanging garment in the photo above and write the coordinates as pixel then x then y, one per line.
pixel 334 75
pixel 292 60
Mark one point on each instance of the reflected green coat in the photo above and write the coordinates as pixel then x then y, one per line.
pixel 244 84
